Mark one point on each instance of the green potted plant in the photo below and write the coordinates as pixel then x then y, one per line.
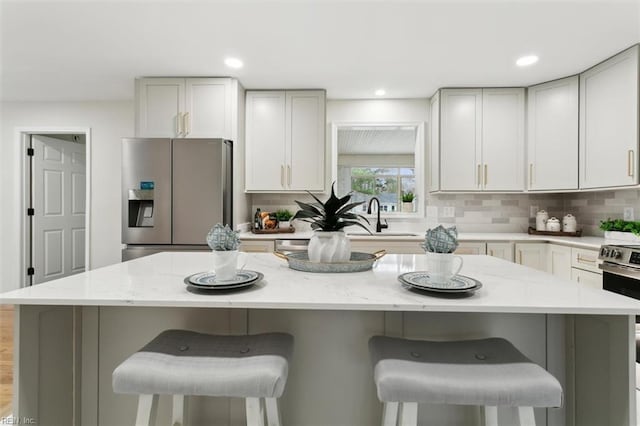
pixel 407 202
pixel 328 220
pixel 618 229
pixel 284 218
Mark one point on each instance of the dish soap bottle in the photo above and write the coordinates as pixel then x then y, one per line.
pixel 257 222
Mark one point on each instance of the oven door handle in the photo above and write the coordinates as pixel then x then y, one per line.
pixel 624 271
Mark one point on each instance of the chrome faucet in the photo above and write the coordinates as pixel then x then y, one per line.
pixel 379 226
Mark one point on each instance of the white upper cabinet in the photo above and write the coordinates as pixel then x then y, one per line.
pixel 285 140
pixel 434 145
pixel 460 139
pixel 183 107
pixel 482 139
pixel 553 135
pixel 609 122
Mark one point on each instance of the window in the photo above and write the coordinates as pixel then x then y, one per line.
pixel 388 184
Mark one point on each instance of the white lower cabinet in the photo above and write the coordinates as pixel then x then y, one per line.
pixel 591 279
pixel 391 247
pixel 559 261
pixel 533 255
pixel 501 250
pixel 471 248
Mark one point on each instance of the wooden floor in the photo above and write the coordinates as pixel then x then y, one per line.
pixel 6 359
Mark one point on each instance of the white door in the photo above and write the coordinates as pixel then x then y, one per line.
pixel 208 108
pixel 500 250
pixel 160 107
pixel 305 125
pixel 553 135
pixel 559 261
pixel 265 141
pixel 532 255
pixel 58 180
pixel 460 139
pixel 503 139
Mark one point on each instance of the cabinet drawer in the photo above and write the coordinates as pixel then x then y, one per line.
pixel 471 248
pixel 391 247
pixel 586 278
pixel 585 259
pixel 257 246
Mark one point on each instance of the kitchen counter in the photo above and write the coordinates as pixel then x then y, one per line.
pixel 580 242
pixel 157 280
pixel 73 332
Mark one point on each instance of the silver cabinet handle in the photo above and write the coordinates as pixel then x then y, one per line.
pixel 486 168
pixel 530 174
pixel 630 161
pixel 179 120
pixel 479 177
pixel 187 123
pixel 586 260
pixel 282 175
pixel 289 175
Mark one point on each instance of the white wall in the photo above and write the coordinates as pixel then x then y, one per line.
pixel 378 110
pixel 109 122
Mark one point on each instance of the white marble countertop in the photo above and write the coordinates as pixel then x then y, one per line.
pixel 157 280
pixel 581 242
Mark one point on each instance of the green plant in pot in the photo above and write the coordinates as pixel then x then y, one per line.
pixel 284 217
pixel 407 201
pixel 328 220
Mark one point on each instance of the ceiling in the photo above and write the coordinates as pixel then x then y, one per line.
pixel 92 50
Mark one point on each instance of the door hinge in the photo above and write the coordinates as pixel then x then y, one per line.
pixel 30 152
pixel 30 271
pixel 30 211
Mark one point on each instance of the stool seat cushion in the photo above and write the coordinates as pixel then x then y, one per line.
pixel 472 372
pixel 180 362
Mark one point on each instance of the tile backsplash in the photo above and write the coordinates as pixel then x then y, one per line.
pixel 496 212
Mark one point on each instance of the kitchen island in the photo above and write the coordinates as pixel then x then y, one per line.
pixel 72 333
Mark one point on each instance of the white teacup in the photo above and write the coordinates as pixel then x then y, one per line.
pixel 441 267
pixel 225 264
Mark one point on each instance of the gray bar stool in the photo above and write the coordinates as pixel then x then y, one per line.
pixel 486 372
pixel 183 363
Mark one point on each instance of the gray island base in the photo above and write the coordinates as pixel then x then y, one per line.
pixel 71 334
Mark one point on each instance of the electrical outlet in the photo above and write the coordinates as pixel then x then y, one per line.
pixel 628 213
pixel 448 211
pixel 532 211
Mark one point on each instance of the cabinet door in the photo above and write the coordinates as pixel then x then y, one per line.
pixel 532 255
pixel 256 246
pixel 265 141
pixel 160 102
pixel 208 108
pixel 501 250
pixel 460 139
pixel 471 248
pixel 559 261
pixel 434 143
pixel 590 279
pixel 553 135
pixel 609 122
pixel 503 139
pixel 305 128
pixel 391 247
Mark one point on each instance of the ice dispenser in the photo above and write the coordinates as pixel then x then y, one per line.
pixel 140 208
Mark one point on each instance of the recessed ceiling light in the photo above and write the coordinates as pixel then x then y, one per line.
pixel 233 63
pixel 381 92
pixel 527 60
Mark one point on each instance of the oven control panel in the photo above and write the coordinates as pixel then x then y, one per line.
pixel 620 254
pixel 634 258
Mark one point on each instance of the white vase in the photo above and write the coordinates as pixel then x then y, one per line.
pixel 407 206
pixel 621 236
pixel 329 247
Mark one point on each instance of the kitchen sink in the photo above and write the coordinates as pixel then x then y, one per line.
pixel 381 234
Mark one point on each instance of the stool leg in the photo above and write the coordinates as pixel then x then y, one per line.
pixel 273 412
pixel 527 417
pixel 390 414
pixel 408 414
pixel 147 408
pixel 179 410
pixel 490 415
pixel 255 411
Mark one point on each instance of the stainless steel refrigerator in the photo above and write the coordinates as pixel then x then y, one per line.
pixel 173 192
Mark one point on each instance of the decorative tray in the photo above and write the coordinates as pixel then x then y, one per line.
pixel 533 231
pixel 288 230
pixel 359 262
